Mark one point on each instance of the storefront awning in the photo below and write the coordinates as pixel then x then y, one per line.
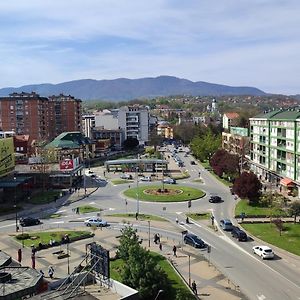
pixel 287 182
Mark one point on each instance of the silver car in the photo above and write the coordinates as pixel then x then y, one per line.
pixel 95 222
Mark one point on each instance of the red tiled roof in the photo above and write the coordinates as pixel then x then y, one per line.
pixel 232 115
pixel 286 182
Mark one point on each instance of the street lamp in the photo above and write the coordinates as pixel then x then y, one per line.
pixel 149 232
pixel 15 204
pixel 137 193
pixel 159 292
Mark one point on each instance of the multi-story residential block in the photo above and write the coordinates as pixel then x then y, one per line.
pixel 115 136
pixel 25 113
pixel 64 114
pixel 230 119
pixel 40 117
pixel 165 130
pixel 134 120
pixel 88 123
pixel 275 146
pixel 237 141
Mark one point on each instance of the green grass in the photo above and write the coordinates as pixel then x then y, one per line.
pixel 183 175
pixel 121 181
pixel 199 216
pixel 9 210
pixel 289 239
pixel 142 217
pixel 45 236
pixel 256 210
pixel 188 193
pixel 176 284
pixel 88 209
pixel 52 216
pixel 44 197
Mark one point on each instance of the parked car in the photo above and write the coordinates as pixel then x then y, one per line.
pixel 95 222
pixel 29 221
pixel 226 225
pixel 193 162
pixel 146 178
pixel 169 181
pixel 193 240
pixel 215 199
pixel 239 234
pixel 263 251
pixel 126 176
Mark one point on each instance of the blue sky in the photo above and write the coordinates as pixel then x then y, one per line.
pixel 233 42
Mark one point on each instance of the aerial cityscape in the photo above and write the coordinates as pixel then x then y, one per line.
pixel 150 150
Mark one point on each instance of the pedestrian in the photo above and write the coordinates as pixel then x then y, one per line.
pixel 176 220
pixel 174 250
pixel 160 246
pixel 155 238
pixel 136 216
pixel 42 273
pixel 187 220
pixel 194 287
pixel 158 238
pixel 51 272
pixel 19 255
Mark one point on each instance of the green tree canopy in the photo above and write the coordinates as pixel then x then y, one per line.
pixel 294 209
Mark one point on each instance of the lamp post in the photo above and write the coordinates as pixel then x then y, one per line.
pixel 137 193
pixel 149 233
pixel 15 204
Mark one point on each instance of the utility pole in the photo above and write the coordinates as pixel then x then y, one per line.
pixel 149 232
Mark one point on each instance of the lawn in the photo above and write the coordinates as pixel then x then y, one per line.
pixel 44 197
pixel 175 282
pixel 256 210
pixel 142 217
pixel 120 181
pixel 289 239
pixel 199 216
pixel 183 175
pixel 88 209
pixel 45 236
pixel 187 193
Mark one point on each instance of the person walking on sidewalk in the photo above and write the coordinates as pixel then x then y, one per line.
pixel 51 272
pixel 194 287
pixel 174 250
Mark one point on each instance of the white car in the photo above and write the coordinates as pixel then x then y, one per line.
pixel 146 178
pixel 169 181
pixel 95 222
pixel 263 251
pixel 126 176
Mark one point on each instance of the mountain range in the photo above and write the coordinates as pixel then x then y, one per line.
pixel 127 89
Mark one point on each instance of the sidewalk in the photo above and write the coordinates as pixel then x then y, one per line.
pixel 210 282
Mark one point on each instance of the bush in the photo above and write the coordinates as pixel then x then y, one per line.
pixel 23 236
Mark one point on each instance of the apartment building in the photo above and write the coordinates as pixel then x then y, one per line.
pixel 275 146
pixel 230 119
pixel 134 121
pixel 64 114
pixel 236 141
pixel 25 113
pixel 40 117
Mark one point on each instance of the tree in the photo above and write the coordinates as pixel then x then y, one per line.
pixel 155 139
pixel 294 209
pixel 128 239
pixel 247 186
pixel 130 143
pixel 279 225
pixel 143 273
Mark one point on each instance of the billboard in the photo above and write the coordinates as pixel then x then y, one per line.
pixel 66 164
pixel 7 157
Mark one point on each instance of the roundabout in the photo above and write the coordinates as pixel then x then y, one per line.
pixel 155 193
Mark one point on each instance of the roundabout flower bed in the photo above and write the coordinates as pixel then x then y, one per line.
pixel 153 193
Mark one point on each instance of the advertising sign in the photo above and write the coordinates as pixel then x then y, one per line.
pixel 7 158
pixel 66 164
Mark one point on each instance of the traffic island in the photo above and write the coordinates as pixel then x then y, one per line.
pixel 168 193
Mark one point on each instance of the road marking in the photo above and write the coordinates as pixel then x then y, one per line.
pixel 178 212
pixel 58 222
pixel 111 208
pixel 61 211
pixel 261 297
pixel 8 225
pixel 92 203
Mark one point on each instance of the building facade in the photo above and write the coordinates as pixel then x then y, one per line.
pixel 40 117
pixel 230 119
pixel 275 145
pixel 134 121
pixel 237 141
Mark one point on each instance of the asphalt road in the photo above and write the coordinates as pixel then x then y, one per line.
pixel 260 280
